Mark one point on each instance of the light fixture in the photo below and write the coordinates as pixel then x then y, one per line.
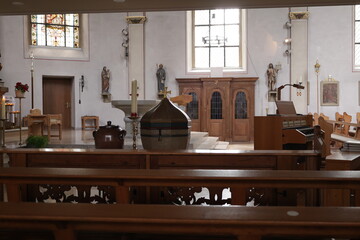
pixel 287 40
pixel 82 83
pixel 217 40
pixel 317 67
pixel 298 86
pixel 119 1
pixel 81 86
pixel 125 43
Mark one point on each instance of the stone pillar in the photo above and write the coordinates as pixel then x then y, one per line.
pixel 136 53
pixel 299 58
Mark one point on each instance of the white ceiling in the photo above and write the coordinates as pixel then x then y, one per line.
pixel 17 7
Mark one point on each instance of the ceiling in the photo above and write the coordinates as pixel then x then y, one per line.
pixel 20 7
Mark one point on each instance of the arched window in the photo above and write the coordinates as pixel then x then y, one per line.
pixel 240 106
pixel 55 30
pixel 216 106
pixel 192 108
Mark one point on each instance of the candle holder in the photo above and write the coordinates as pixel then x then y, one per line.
pixel 135 127
pixel 3 121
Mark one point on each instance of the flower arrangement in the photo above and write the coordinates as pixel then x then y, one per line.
pixel 22 87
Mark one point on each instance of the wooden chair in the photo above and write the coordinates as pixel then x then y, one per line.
pixel 54 119
pixel 324 117
pixel 36 122
pixel 316 118
pixel 346 128
pixel 338 127
pixel 357 131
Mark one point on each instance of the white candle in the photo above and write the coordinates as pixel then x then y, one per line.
pixel 3 108
pixel 134 98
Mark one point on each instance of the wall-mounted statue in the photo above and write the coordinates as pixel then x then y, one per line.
pixel 272 75
pixel 105 80
pixel 161 76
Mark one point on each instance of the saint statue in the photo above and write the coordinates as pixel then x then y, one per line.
pixel 105 80
pixel 161 76
pixel 271 74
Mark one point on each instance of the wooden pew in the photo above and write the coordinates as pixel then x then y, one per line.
pixel 189 159
pixel 66 220
pixel 237 180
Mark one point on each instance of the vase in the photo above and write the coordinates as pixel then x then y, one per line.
pixel 19 94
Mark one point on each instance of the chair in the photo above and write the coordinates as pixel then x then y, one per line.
pixel 324 117
pixel 36 122
pixel 338 127
pixel 54 119
pixel 316 118
pixel 357 132
pixel 347 119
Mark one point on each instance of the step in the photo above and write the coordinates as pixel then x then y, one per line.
pixel 221 145
pixel 208 143
pixel 196 138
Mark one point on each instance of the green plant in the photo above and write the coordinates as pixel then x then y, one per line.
pixel 37 141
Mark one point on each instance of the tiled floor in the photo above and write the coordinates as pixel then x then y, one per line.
pixel 85 137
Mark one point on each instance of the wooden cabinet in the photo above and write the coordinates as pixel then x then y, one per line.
pixel 223 107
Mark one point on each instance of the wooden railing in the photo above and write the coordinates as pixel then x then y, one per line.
pixel 123 179
pixel 67 221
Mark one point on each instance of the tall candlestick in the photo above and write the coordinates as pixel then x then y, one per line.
pixel 134 98
pixel 3 108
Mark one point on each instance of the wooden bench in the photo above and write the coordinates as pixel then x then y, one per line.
pixel 237 180
pixel 65 221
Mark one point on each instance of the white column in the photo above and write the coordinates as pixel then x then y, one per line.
pixel 136 53
pixel 299 58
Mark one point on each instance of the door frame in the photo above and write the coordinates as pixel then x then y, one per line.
pixel 72 95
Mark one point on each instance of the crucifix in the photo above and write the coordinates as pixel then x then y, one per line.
pixel 165 92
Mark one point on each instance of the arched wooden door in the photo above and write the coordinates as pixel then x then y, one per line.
pixel 193 110
pixel 215 110
pixel 240 118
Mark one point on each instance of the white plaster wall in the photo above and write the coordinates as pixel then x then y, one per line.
pixel 330 40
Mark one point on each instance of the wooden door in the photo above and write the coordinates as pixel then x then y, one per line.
pixel 215 120
pixel 57 97
pixel 193 109
pixel 240 116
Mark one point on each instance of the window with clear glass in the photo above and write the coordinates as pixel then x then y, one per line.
pixel 192 108
pixel 240 106
pixel 357 37
pixel 216 106
pixel 55 30
pixel 217 38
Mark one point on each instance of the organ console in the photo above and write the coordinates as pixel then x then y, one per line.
pixel 286 130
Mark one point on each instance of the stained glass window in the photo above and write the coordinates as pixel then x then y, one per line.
pixel 240 106
pixel 192 108
pixel 55 30
pixel 217 38
pixel 216 106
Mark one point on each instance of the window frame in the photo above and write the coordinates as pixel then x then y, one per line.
pixel 52 25
pixel 58 53
pixel 191 48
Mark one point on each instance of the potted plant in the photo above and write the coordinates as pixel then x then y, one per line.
pixel 37 141
pixel 20 89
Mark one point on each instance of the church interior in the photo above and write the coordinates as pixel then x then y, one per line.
pixel 144 113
